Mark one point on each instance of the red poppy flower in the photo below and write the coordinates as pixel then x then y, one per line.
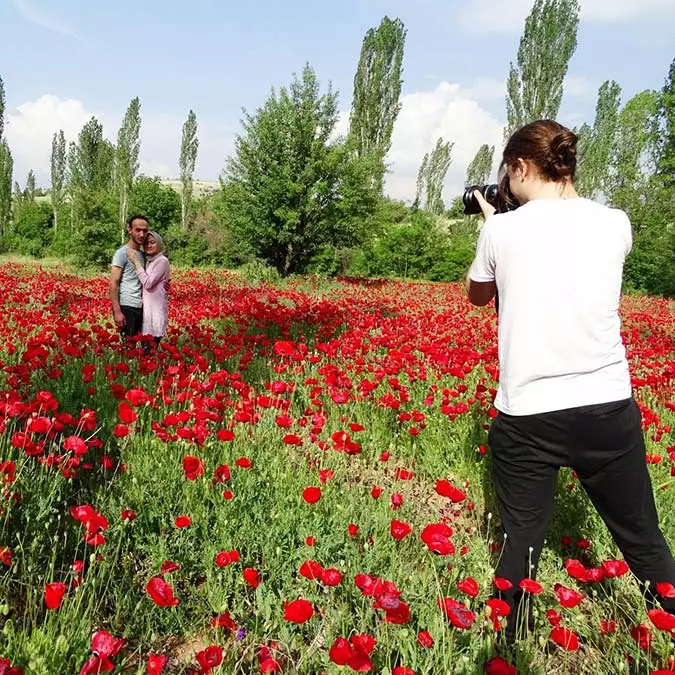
pixel 615 568
pixel 224 620
pixel 221 473
pixel 209 658
pixel 502 584
pixel 169 566
pixel 576 570
pixel 251 577
pixel 643 635
pixel 228 494
pixel 244 463
pixel 396 501
pixel 446 489
pixel 121 430
pixel 565 638
pixel 399 529
pixel 468 586
pixel 155 664
pixel 193 467
pixel 607 627
pixel 225 558
pixel 331 577
pixel 437 538
pixel 352 529
pixel 531 586
pixel 126 413
pixel 104 643
pixel 298 611
pixel 54 593
pixel 311 495
pixel 424 639
pixel 182 521
pixel 567 596
pixel 459 615
pixel 665 590
pixel 402 670
pixel 75 445
pixel 553 617
pixel 97 664
pixel 499 666
pixel 161 593
pixel 225 436
pixel 662 620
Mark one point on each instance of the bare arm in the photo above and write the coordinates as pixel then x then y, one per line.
pixel 481 292
pixel 115 278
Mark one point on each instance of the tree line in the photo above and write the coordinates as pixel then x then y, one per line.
pixel 298 199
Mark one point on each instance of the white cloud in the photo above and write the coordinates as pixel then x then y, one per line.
pixel 30 127
pixel 448 111
pixel 508 16
pixel 44 19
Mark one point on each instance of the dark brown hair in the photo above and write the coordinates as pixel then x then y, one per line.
pixel 550 146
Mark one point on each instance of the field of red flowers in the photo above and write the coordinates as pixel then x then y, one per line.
pixel 298 482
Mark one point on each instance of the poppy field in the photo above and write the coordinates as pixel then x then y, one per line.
pixel 298 481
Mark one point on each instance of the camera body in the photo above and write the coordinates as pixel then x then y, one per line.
pixel 492 196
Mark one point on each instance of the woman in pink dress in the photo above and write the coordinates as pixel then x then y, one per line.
pixel 154 280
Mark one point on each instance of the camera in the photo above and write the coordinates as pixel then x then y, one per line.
pixel 492 196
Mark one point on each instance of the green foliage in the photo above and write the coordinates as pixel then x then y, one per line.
pixel 480 168
pixel 431 177
pixel 188 156
pixel 419 247
pixel 290 190
pixel 58 174
pixel 126 156
pixel 535 83
pixel 6 171
pixel 598 142
pixel 94 242
pixel 377 88
pixel 159 203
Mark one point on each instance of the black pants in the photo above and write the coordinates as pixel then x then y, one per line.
pixel 133 320
pixel 604 444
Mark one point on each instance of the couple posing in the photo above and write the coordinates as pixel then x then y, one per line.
pixel 139 283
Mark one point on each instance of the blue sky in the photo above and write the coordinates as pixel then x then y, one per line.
pixel 64 61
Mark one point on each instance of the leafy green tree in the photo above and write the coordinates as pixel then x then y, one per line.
pixel 126 156
pixel 535 83
pixel 58 174
pixel 666 131
pixel 188 156
pixel 32 231
pixel 29 190
pixel 377 89
pixel 160 204
pixel 291 189
pixel 6 172
pixel 431 176
pixel 480 168
pixel 634 148
pixel 598 142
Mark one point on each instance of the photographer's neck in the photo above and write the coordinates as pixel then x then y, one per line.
pixel 551 190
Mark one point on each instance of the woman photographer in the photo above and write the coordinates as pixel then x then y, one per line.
pixel 564 395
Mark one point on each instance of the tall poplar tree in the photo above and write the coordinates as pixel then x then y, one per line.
pixel 29 190
pixel 188 156
pixel 377 90
pixel 597 143
pixel 480 168
pixel 633 151
pixel 6 170
pixel 126 156
pixel 431 176
pixel 58 174
pixel 535 83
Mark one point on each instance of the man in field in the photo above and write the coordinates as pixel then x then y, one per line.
pixel 125 287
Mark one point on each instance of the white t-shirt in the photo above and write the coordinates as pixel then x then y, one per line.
pixel 558 265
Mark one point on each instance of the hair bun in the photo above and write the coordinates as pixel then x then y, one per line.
pixel 562 157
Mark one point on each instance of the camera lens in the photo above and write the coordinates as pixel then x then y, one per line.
pixel 471 206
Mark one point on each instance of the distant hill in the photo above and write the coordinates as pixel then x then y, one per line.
pixel 201 187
